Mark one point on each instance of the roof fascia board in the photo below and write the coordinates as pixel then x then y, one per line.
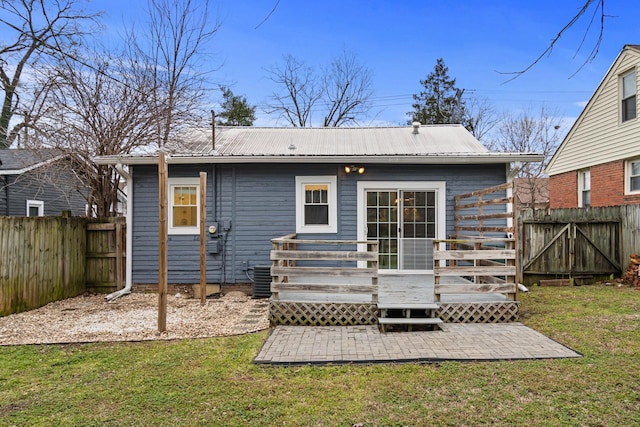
pixel 431 159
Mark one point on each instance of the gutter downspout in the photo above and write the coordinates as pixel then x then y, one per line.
pixel 129 249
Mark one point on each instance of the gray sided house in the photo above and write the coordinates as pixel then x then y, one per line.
pixel 393 184
pixel 39 182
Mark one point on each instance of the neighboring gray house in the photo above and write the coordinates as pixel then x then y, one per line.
pixel 39 182
pixel 394 184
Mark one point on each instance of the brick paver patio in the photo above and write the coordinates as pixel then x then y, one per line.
pixel 365 344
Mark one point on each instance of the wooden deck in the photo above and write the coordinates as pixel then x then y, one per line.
pixel 318 282
pixel 392 289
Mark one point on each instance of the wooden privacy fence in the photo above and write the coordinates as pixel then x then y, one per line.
pixel 312 278
pixel 579 244
pixel 41 260
pixel 477 266
pixel 46 259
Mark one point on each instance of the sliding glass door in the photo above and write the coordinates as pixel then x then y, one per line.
pixel 404 221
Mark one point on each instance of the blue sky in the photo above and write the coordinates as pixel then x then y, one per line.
pixel 401 40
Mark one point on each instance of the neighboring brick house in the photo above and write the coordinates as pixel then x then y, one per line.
pixel 598 163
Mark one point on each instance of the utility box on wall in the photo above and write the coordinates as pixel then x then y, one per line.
pixel 214 246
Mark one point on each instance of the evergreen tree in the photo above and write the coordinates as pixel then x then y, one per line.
pixel 440 101
pixel 236 111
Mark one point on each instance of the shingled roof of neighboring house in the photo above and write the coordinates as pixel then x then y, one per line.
pixel 417 144
pixel 17 161
pixel 524 187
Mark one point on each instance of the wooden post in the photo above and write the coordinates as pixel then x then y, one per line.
pixel 374 279
pixel 436 277
pixel 163 260
pixel 203 241
pixel 275 246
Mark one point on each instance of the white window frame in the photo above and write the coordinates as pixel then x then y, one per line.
pixel 582 188
pixel 35 204
pixel 623 98
pixel 183 182
pixel 332 199
pixel 628 176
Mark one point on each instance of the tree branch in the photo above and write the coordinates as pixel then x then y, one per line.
pixel 571 23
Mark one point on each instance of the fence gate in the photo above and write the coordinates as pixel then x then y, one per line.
pixel 577 249
pixel 105 256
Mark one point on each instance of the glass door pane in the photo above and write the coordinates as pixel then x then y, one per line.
pixel 418 229
pixel 382 224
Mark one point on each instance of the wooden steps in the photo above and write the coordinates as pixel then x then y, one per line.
pixel 408 305
pixel 409 321
pixel 408 315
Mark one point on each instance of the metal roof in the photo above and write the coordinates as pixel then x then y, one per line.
pixel 423 144
pixel 380 141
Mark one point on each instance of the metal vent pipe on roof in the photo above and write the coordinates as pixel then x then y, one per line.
pixel 416 127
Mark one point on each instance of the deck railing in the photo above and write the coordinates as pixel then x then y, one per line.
pixel 323 266
pixel 475 266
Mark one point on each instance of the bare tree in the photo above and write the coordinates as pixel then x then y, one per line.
pixel 299 94
pixel 100 109
pixel 42 29
pixel 341 92
pixel 481 118
pixel 346 89
pixel 172 48
pixel 530 132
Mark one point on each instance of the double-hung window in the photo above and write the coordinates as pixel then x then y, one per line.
pixel 628 111
pixel 316 204
pixel 632 172
pixel 184 205
pixel 584 189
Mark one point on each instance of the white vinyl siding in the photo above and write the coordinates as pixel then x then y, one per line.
pixel 599 136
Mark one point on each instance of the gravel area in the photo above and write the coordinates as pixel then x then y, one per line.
pixel 134 317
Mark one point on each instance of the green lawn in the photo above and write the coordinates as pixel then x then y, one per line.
pixel 214 382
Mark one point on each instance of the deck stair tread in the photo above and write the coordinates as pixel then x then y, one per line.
pixel 409 320
pixel 408 305
pixel 408 314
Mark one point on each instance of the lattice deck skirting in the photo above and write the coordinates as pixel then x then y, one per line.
pixel 478 312
pixel 348 314
pixel 322 314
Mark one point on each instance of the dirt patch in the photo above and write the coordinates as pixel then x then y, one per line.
pixel 133 317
